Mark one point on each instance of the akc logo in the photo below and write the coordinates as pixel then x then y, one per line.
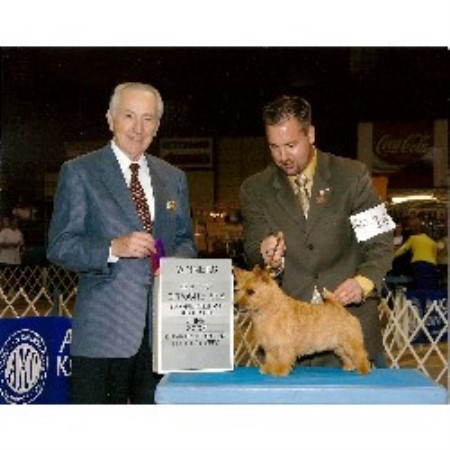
pixel 23 367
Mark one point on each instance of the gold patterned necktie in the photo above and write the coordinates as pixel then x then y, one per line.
pixel 302 192
pixel 138 194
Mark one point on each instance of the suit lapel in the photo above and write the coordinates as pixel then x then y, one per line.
pixel 160 194
pixel 112 178
pixel 321 191
pixel 285 196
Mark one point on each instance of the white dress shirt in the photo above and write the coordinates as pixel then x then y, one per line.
pixel 144 175
pixel 144 178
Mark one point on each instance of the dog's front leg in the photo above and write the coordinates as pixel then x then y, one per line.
pixel 277 362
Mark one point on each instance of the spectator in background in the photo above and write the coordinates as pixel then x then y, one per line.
pixel 12 244
pixel 398 235
pixel 423 256
pixel 442 256
pixel 24 210
pixel 401 266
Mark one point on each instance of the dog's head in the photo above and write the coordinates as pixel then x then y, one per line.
pixel 251 287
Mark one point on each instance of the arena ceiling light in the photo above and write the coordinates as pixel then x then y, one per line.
pixel 413 198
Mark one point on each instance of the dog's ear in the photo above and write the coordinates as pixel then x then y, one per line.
pixel 240 273
pixel 265 276
pixel 257 271
pixel 262 274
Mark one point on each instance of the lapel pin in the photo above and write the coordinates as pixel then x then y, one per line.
pixel 322 196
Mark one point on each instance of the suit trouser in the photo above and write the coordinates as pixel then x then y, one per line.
pixel 115 380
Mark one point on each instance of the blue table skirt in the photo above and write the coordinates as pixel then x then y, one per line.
pixel 305 385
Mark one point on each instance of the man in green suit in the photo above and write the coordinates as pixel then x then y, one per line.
pixel 341 239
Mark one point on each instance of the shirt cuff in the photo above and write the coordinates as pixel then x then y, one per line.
pixel 366 284
pixel 111 257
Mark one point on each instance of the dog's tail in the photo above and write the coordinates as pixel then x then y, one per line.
pixel 328 297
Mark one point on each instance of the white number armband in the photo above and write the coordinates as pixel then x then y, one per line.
pixel 371 222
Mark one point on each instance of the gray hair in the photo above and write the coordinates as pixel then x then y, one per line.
pixel 113 102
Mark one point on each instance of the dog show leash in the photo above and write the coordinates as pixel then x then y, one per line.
pixel 317 297
pixel 274 273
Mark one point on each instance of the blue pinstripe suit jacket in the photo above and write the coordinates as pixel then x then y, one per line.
pixel 92 206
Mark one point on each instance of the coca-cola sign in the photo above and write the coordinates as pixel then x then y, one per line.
pixel 402 143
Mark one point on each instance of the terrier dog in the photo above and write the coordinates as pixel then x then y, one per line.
pixel 287 328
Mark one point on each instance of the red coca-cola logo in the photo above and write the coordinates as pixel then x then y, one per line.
pixel 401 150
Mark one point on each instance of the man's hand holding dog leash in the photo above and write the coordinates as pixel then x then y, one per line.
pixel 273 248
pixel 350 291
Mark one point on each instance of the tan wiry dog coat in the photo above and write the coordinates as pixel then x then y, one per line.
pixel 287 328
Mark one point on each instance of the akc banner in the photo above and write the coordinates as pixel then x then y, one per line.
pixel 34 360
pixel 431 306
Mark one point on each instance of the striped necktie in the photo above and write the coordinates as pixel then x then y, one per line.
pixel 301 181
pixel 138 194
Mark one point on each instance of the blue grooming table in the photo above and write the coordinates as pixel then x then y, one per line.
pixel 305 385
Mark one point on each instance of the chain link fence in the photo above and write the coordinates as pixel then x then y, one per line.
pixel 36 291
pixel 415 334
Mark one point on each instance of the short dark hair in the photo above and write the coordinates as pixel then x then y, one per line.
pixel 287 106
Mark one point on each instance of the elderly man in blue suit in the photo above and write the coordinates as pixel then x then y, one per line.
pixel 96 231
